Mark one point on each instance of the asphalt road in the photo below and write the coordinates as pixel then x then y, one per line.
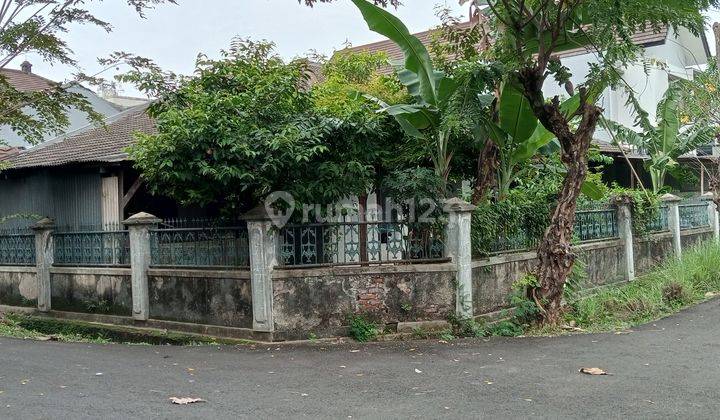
pixel 669 369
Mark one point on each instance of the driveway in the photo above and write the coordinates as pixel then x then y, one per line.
pixel 669 369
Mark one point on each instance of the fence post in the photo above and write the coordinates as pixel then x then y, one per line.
pixel 458 247
pixel 263 259
pixel 713 213
pixel 625 230
pixel 673 203
pixel 44 256
pixel 139 226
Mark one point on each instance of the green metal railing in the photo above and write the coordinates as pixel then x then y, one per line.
pixel 591 225
pixel 219 247
pixel 359 243
pixel 694 216
pixel 92 248
pixel 17 247
pixel 660 222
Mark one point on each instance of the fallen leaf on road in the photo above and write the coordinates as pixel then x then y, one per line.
pixel 593 371
pixel 185 400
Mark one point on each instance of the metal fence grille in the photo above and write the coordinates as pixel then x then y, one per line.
pixel 200 247
pixel 92 248
pixel 694 216
pixel 359 243
pixel 592 225
pixel 17 247
pixel 660 222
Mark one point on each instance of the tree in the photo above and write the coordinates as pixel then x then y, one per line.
pixel 529 34
pixel 671 138
pixel 38 27
pixel 363 138
pixel 242 127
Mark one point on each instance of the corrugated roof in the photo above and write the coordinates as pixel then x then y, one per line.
pixel 26 82
pixel 7 151
pixel 89 144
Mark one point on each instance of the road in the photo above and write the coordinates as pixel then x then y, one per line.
pixel 669 369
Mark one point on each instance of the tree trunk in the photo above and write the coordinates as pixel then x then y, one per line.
pixel 486 170
pixel 555 256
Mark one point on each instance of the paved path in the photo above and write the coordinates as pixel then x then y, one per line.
pixel 670 369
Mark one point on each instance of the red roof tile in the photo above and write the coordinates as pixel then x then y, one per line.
pixel 26 82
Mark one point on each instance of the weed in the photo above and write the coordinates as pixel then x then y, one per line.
pixel 419 333
pixel 447 335
pixel 362 329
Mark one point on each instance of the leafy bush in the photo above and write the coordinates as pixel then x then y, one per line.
pixel 516 222
pixel 362 329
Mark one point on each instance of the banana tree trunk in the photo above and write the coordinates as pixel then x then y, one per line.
pixel 658 179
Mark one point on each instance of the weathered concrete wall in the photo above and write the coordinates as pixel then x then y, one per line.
pixel 493 277
pixel 201 296
pixel 604 262
pixel 651 251
pixel 91 290
pixel 18 286
pixel 694 237
pixel 320 300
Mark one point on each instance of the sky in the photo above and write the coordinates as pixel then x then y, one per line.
pixel 174 35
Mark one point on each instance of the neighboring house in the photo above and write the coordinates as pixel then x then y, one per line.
pixel 27 81
pixel 84 179
pixel 667 55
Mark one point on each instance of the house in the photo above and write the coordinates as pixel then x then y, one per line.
pixel 27 81
pixel 667 54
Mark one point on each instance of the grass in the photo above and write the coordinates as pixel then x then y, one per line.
pixel 674 286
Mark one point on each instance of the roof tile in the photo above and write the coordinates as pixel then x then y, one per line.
pixel 91 144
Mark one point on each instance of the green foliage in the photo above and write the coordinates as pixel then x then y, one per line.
pixel 467 327
pixel 240 129
pixel 676 284
pixel 519 220
pixel 362 329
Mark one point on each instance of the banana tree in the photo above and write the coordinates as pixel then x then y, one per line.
pixel 666 141
pixel 430 89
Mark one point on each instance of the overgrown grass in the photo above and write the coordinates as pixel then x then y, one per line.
pixel 675 285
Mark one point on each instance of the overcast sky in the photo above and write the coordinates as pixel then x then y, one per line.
pixel 174 35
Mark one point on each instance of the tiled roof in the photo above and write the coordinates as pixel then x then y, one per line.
pixel 393 51
pixel 7 151
pixel 646 37
pixel 89 144
pixel 26 82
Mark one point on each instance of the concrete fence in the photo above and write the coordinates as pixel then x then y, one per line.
pixel 270 301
